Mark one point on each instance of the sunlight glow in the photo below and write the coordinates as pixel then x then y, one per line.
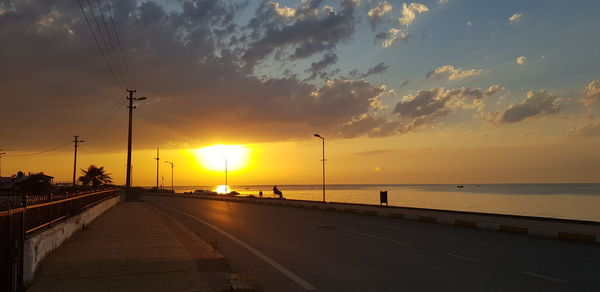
pixel 222 189
pixel 213 157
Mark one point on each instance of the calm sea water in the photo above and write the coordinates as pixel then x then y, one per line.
pixel 570 201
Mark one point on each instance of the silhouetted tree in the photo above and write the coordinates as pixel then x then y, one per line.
pixel 96 176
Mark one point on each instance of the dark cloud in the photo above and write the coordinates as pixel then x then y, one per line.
pixel 305 36
pixel 427 105
pixel 191 63
pixel 316 68
pixel 535 104
pixel 377 69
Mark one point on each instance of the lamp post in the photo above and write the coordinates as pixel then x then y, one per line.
pixel 172 165
pixel 323 139
pixel 131 107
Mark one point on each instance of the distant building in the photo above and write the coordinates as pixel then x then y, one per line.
pixel 15 182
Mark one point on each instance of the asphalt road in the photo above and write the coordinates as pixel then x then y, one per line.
pixel 290 249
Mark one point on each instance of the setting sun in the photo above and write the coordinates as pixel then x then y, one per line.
pixel 214 157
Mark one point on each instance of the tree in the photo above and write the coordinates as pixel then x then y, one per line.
pixel 96 176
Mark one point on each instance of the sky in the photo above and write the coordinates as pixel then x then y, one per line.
pixel 443 91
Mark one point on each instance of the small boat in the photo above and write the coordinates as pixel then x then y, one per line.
pixel 460 186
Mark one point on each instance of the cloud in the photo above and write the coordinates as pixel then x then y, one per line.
pixel 536 104
pixel 285 12
pixel 429 104
pixel 521 60
pixel 377 69
pixel 591 129
pixel 392 36
pixel 410 11
pixel 407 82
pixel 452 73
pixel 376 14
pixel 374 152
pixel 316 68
pixel 515 18
pixel 442 2
pixel 192 64
pixel 591 94
pixel 304 37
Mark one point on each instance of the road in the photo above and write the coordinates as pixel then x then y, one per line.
pixel 291 249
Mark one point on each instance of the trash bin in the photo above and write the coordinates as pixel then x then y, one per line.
pixel 383 198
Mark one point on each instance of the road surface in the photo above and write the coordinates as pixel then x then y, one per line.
pixel 291 249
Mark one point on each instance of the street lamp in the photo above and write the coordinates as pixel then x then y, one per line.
pixel 172 165
pixel 323 139
pixel 131 107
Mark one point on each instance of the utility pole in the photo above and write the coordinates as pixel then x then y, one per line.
pixel 76 145
pixel 172 165
pixel 131 107
pixel 157 158
pixel 226 187
pixel 1 153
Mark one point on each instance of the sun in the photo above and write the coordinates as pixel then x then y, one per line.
pixel 217 157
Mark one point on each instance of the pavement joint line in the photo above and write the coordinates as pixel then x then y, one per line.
pixel 459 256
pixel 303 283
pixel 544 277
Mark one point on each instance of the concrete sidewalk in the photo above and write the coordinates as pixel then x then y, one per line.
pixel 134 247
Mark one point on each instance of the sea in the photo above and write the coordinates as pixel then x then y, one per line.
pixel 580 201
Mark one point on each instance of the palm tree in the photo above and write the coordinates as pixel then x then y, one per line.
pixel 95 175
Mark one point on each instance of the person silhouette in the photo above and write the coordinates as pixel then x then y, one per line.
pixel 276 191
pixel 260 194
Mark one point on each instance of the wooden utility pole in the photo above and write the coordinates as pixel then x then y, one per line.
pixel 76 145
pixel 128 175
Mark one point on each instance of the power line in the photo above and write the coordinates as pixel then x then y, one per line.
pixel 121 86
pixel 110 52
pixel 118 41
pixel 112 47
pixel 42 152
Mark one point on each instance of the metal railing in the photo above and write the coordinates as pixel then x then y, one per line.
pixel 21 214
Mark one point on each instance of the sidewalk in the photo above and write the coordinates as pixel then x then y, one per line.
pixel 134 247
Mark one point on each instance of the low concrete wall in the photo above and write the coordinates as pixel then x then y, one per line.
pixel 39 244
pixel 563 229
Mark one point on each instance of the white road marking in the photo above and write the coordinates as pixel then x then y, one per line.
pixel 253 250
pixel 544 277
pixel 354 231
pixel 459 256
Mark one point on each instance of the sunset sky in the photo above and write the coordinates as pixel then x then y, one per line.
pixel 443 91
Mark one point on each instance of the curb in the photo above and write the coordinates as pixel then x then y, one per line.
pixel 519 229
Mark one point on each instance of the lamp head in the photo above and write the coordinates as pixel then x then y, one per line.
pixel 317 135
pixel 140 98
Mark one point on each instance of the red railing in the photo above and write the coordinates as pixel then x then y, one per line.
pixel 21 214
